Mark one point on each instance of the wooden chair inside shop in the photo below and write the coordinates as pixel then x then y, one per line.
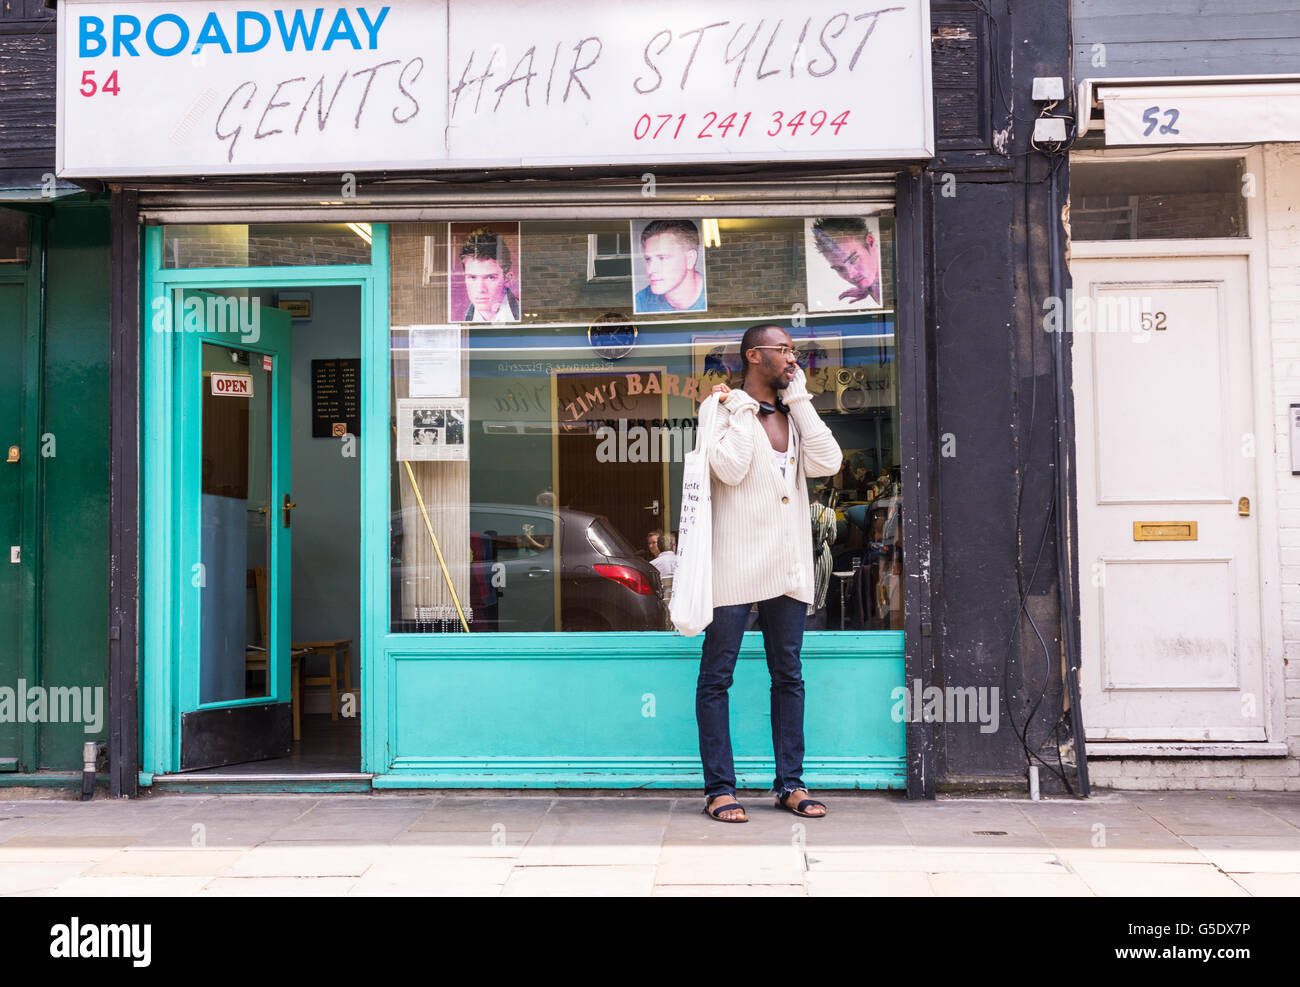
pixel 339 652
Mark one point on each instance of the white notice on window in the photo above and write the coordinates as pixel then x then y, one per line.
pixel 435 361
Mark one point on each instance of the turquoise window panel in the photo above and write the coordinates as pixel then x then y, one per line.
pixel 597 714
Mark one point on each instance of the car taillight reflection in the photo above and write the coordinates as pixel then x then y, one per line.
pixel 629 577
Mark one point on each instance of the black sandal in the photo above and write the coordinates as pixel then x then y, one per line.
pixel 799 810
pixel 723 808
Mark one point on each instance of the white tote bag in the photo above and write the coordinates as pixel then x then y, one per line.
pixel 691 608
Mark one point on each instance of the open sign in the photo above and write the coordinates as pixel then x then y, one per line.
pixel 232 385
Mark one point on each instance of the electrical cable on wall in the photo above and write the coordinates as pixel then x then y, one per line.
pixel 1056 152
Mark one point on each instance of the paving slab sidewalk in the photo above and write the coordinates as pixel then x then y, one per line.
pixel 635 844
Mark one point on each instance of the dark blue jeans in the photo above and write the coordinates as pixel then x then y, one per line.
pixel 782 622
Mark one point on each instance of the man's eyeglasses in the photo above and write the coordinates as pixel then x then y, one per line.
pixel 783 349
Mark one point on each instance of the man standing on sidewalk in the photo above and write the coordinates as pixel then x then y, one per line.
pixel 767 441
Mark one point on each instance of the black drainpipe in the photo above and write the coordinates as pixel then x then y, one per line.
pixel 1064 575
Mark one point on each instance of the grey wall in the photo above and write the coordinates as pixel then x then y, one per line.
pixel 327 489
pixel 1186 37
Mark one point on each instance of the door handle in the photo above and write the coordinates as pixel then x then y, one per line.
pixel 538 573
pixel 288 506
pixel 653 508
pixel 1243 507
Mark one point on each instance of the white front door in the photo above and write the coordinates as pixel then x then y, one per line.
pixel 1168 527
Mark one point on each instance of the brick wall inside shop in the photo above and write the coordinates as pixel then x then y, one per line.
pixel 232 246
pixel 411 301
pixel 305 251
pixel 752 272
pixel 755 271
pixel 1281 187
pixel 205 246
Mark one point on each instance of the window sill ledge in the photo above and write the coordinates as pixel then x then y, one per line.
pixel 1110 749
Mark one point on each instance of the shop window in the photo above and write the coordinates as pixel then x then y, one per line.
pixel 13 237
pixel 266 245
pixel 1159 199
pixel 541 411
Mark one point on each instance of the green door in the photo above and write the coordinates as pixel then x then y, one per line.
pixel 13 329
pixel 235 524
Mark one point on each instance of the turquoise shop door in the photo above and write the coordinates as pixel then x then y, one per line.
pixel 191 713
pixel 235 516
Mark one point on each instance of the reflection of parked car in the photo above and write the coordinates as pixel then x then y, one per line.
pixel 603 585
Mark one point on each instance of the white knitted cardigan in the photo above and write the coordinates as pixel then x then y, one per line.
pixel 762 539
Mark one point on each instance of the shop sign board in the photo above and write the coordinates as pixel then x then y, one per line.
pixel 206 87
pixel 1218 113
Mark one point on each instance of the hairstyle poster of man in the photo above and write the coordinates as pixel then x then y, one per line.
pixel 843 263
pixel 668 266
pixel 483 283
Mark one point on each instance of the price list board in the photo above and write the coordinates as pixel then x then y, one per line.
pixel 335 398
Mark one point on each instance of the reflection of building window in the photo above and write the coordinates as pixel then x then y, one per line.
pixel 435 263
pixel 609 256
